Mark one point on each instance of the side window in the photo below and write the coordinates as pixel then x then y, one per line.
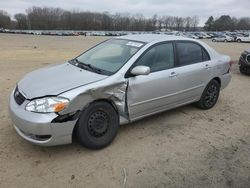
pixel 189 53
pixel 158 58
pixel 205 55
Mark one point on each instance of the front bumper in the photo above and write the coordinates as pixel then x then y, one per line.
pixel 38 128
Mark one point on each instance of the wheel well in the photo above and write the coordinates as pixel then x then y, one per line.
pixel 108 101
pixel 98 100
pixel 218 80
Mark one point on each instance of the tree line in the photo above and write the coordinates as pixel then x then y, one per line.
pixel 47 18
pixel 227 23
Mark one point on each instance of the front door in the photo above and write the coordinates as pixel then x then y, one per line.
pixel 151 93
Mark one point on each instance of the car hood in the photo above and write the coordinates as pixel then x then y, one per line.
pixel 55 80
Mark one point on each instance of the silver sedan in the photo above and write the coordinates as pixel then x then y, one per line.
pixel 223 38
pixel 118 81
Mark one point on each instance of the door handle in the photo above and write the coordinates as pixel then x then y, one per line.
pixel 207 66
pixel 173 74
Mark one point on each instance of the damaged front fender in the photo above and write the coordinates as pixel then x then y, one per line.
pixel 113 91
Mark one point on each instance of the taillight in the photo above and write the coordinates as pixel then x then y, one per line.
pixel 230 65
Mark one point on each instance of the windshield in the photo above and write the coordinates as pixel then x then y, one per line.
pixel 109 56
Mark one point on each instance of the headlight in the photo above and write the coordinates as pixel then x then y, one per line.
pixel 47 105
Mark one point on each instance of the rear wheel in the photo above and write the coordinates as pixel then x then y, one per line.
pixel 97 126
pixel 213 40
pixel 210 95
pixel 238 40
pixel 225 40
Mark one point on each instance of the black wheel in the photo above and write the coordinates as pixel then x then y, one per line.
pixel 242 70
pixel 210 95
pixel 97 126
pixel 225 40
pixel 213 40
pixel 239 40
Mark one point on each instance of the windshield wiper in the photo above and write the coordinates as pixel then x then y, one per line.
pixel 87 66
pixel 90 67
pixel 93 68
pixel 75 62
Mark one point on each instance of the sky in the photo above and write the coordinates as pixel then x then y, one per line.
pixel 183 8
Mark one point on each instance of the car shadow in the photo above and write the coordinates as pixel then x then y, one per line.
pixel 150 123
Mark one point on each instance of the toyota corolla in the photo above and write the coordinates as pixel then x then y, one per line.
pixel 118 81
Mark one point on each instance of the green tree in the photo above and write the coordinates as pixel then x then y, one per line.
pixel 209 25
pixel 5 21
pixel 224 23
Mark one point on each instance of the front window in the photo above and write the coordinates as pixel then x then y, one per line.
pixel 109 56
pixel 159 57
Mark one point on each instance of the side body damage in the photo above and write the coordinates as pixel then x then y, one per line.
pixel 115 93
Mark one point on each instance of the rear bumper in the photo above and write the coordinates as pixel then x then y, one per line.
pixel 38 128
pixel 225 79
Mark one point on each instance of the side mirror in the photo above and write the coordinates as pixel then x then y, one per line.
pixel 140 70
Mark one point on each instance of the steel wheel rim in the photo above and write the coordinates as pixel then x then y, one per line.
pixel 98 123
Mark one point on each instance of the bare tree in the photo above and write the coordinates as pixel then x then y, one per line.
pixel 194 22
pixel 47 18
pixel 188 23
pixel 22 21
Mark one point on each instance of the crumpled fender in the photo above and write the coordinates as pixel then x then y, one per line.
pixel 116 93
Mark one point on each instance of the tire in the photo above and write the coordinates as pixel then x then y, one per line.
pixel 213 40
pixel 225 40
pixel 97 126
pixel 241 70
pixel 238 40
pixel 244 70
pixel 210 95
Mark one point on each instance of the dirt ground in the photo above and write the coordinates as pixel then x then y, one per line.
pixel 185 147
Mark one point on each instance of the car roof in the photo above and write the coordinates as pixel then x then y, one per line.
pixel 147 38
pixel 155 38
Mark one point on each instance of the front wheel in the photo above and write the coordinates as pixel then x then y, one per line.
pixel 97 126
pixel 238 40
pixel 210 95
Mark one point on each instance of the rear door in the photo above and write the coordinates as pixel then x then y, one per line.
pixel 193 70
